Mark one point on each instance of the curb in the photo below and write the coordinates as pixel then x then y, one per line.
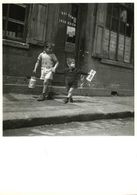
pixel 20 123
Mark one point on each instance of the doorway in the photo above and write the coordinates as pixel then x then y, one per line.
pixel 67 40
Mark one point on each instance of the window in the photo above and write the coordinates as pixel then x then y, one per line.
pixel 14 21
pixel 118 33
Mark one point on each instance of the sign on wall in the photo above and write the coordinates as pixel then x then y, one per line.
pixel 68 20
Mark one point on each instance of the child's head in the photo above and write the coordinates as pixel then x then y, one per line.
pixel 48 47
pixel 71 62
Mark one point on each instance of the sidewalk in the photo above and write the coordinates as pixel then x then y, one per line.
pixel 23 110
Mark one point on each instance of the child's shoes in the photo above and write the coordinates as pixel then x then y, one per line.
pixel 66 100
pixel 49 96
pixel 71 99
pixel 41 97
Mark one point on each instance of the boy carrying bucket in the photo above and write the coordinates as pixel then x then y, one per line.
pixel 49 63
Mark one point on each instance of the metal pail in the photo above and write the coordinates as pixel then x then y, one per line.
pixel 32 82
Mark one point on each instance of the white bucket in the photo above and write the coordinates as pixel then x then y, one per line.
pixel 32 82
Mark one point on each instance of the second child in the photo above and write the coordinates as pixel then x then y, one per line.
pixel 72 75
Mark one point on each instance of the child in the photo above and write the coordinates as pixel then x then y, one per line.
pixel 49 64
pixel 71 79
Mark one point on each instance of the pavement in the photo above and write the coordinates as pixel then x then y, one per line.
pixel 23 110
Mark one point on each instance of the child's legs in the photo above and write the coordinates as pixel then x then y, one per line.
pixel 47 76
pixel 70 92
pixel 46 86
pixel 69 88
pixel 49 86
pixel 67 85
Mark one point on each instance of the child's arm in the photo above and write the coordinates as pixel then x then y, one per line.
pixel 56 63
pixel 37 64
pixel 84 73
pixel 55 67
pixel 81 72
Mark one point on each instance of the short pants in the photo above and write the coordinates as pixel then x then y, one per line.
pixel 46 74
pixel 70 84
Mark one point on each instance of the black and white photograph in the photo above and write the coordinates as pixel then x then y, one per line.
pixel 68 69
pixel 68 98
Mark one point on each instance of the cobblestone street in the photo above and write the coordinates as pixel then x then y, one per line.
pixel 114 127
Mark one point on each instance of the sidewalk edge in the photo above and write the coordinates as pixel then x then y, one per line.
pixel 30 122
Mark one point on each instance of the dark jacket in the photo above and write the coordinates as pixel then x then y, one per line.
pixel 72 75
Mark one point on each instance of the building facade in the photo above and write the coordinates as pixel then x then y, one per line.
pixel 99 36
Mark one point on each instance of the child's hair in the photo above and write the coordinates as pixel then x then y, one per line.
pixel 49 45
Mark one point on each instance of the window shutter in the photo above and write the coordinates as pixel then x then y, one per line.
pixel 99 29
pixel 37 24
